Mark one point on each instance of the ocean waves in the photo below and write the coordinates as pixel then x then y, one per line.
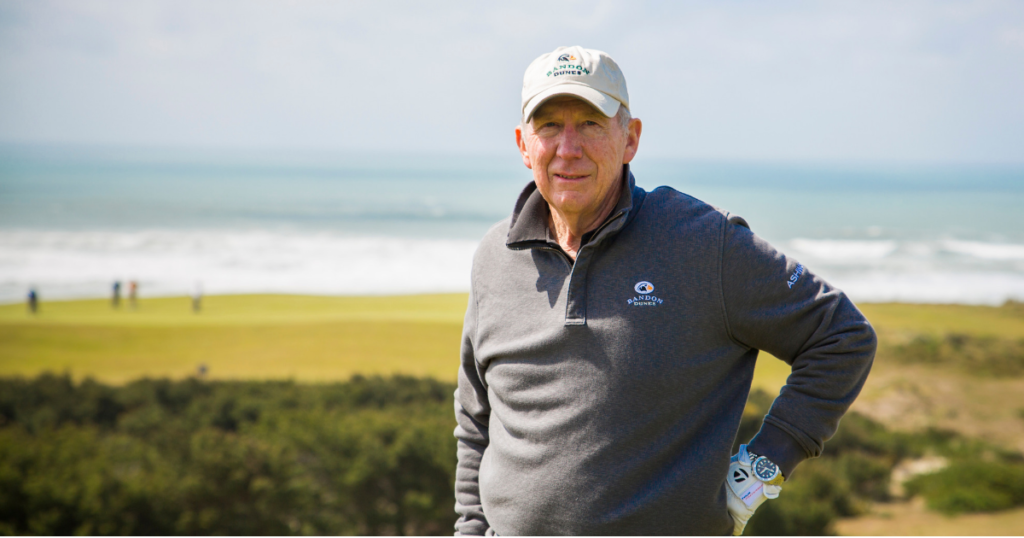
pixel 844 251
pixel 872 252
pixel 986 251
pixel 81 263
pixel 938 271
pixel 945 287
pixel 67 264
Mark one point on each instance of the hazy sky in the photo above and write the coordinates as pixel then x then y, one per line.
pixel 864 80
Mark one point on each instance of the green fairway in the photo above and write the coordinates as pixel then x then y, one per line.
pixel 317 339
pixel 304 338
pixel 895 319
pixel 244 310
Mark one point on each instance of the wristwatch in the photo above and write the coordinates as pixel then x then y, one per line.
pixel 765 470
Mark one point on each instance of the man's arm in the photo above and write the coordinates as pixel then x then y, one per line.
pixel 774 304
pixel 472 411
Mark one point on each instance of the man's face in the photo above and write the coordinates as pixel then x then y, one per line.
pixel 576 154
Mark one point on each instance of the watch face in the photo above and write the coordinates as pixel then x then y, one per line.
pixel 765 469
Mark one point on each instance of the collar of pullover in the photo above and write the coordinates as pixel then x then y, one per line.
pixel 529 227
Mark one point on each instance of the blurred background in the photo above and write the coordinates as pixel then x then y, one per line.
pixel 214 215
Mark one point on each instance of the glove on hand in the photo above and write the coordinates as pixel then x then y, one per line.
pixel 745 492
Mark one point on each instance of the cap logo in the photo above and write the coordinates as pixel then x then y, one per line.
pixel 568 69
pixel 567 58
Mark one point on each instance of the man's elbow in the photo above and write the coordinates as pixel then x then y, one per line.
pixel 862 347
pixel 861 338
pixel 868 340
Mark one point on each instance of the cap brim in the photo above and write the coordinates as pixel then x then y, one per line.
pixel 608 105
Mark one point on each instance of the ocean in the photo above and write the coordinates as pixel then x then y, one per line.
pixel 74 220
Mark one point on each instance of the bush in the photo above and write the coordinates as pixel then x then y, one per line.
pixel 975 354
pixel 856 467
pixel 371 456
pixel 810 503
pixel 867 475
pixel 972 486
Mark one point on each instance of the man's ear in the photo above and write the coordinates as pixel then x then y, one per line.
pixel 633 130
pixel 521 143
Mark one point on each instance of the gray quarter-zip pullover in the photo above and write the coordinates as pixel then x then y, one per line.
pixel 603 396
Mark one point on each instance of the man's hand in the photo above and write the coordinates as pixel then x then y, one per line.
pixel 745 492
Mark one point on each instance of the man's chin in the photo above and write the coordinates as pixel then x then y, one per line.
pixel 572 205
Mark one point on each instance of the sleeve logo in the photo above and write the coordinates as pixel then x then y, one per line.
pixel 794 277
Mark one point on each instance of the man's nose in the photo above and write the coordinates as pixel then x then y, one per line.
pixel 571 144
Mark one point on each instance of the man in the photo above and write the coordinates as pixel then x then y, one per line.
pixel 611 335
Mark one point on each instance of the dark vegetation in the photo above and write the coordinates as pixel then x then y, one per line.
pixel 972 486
pixel 978 355
pixel 369 456
pixel 856 467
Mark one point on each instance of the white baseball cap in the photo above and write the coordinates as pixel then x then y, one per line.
pixel 589 74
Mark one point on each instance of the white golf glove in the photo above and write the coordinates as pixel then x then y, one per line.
pixel 745 492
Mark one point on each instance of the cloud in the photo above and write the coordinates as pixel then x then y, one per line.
pixel 786 80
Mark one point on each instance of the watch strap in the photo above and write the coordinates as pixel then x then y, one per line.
pixel 777 481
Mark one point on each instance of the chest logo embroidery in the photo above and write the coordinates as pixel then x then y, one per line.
pixel 645 298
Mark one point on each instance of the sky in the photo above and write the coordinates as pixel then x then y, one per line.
pixel 876 81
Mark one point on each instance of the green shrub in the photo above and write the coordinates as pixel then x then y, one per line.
pixel 972 486
pixel 371 456
pixel 867 475
pixel 856 466
pixel 810 502
pixel 979 355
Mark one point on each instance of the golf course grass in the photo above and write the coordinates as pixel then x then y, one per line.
pixel 320 339
pixel 310 339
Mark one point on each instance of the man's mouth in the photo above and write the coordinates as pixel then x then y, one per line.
pixel 571 176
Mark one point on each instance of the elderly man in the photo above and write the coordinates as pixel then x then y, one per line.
pixel 611 335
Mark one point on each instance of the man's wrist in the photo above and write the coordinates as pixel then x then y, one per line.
pixel 766 470
pixel 779 446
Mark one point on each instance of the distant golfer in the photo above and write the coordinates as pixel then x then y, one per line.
pixel 115 299
pixel 33 301
pixel 197 296
pixel 611 336
pixel 133 292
